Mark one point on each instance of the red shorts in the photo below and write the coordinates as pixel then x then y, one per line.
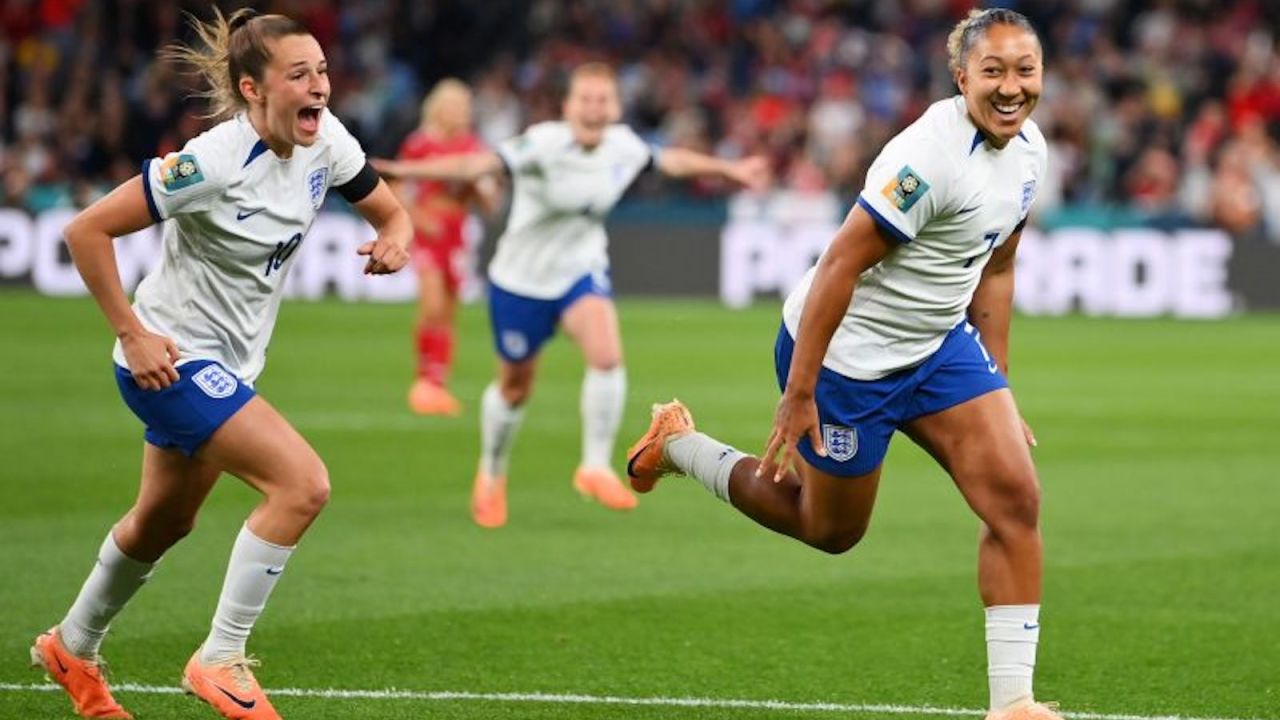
pixel 443 252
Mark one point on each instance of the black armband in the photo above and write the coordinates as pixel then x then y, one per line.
pixel 359 187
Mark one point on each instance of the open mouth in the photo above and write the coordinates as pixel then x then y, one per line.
pixel 309 118
pixel 1008 110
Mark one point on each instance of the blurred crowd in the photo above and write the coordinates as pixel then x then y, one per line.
pixel 1169 109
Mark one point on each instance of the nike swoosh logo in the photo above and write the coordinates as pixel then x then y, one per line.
pixel 247 705
pixel 242 214
pixel 275 571
pixel 58 660
pixel 967 210
pixel 1030 626
pixel 992 368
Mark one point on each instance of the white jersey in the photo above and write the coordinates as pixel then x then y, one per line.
pixel 234 214
pixel 949 198
pixel 562 193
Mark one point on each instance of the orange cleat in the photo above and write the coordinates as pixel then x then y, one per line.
pixel 646 459
pixel 489 500
pixel 230 687
pixel 603 486
pixel 83 679
pixel 428 398
pixel 1027 709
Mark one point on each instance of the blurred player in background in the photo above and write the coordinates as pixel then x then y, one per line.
pixel 439 211
pixel 887 333
pixel 551 269
pixel 235 204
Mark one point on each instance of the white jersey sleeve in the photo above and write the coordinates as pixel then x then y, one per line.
pixel 1040 169
pixel 189 180
pixel 524 153
pixel 347 158
pixel 908 185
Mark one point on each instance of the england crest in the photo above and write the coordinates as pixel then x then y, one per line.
pixel 316 183
pixel 841 442
pixel 215 382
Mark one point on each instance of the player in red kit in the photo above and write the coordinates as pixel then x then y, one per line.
pixel 439 211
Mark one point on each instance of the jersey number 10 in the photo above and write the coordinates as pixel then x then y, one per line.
pixel 282 253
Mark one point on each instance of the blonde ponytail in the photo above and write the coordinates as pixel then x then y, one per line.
pixel 232 47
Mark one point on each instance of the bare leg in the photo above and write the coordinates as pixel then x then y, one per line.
pixel 982 445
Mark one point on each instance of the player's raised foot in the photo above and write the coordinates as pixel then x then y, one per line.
pixel 489 500
pixel 83 679
pixel 428 398
pixel 603 486
pixel 1026 710
pixel 646 459
pixel 229 686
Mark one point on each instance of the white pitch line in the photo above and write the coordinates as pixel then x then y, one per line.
pixel 574 699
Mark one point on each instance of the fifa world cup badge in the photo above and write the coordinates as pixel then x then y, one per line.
pixel 180 170
pixel 905 189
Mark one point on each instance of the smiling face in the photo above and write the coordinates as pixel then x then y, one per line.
pixel 1001 80
pixel 591 106
pixel 285 105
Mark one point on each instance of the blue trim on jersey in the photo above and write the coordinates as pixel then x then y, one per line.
pixel 188 412
pixel 858 417
pixel 258 148
pixel 522 325
pixel 883 222
pixel 146 190
pixel 978 138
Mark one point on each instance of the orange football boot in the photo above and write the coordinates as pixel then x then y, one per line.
pixel 646 459
pixel 489 500
pixel 602 485
pixel 1027 709
pixel 428 398
pixel 229 686
pixel 83 679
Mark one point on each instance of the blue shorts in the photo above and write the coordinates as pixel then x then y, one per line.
pixel 186 413
pixel 521 325
pixel 858 417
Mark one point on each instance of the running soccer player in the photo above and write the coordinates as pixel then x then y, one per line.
pixel 235 205
pixel 551 269
pixel 904 325
pixel 439 211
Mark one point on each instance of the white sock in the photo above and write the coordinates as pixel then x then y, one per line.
pixel 706 460
pixel 498 425
pixel 1012 634
pixel 113 580
pixel 604 394
pixel 252 574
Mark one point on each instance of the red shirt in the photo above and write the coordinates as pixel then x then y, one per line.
pixel 445 199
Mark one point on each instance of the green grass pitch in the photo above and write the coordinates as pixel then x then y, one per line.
pixel 1159 454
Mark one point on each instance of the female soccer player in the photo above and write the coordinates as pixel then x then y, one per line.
pixel 235 203
pixel 551 268
pixel 439 212
pixel 886 333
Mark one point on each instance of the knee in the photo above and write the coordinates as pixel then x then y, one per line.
pixel 309 492
pixel 1017 506
pixel 836 541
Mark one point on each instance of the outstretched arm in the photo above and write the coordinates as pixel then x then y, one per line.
pixel 468 167
pixel 992 308
pixel 390 250
pixel 150 357
pixel 752 172
pixel 858 245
